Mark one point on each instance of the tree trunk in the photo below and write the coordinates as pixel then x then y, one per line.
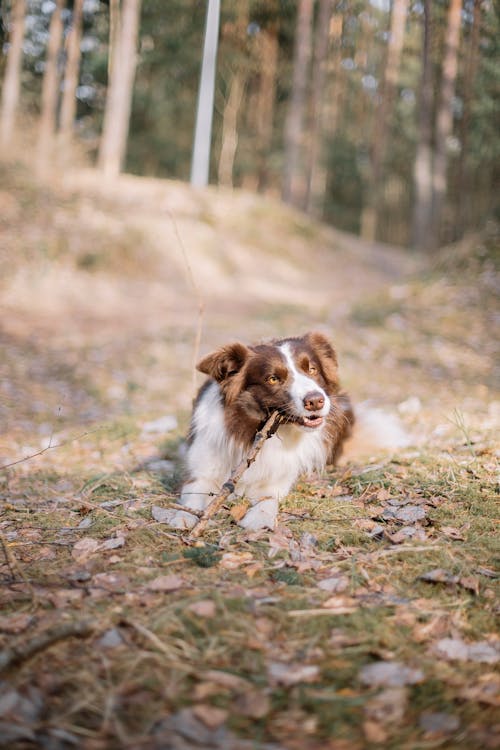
pixel 230 129
pixel 11 82
pixel 444 116
pixel 463 178
pixel 293 190
pixel 317 94
pixel 374 188
pixel 119 98
pixel 422 173
pixel 268 55
pixel 200 165
pixel 50 92
pixel 68 106
pixel 233 102
pixel 331 106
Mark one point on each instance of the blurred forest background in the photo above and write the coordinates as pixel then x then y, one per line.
pixel 378 117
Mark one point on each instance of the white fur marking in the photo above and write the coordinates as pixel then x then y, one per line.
pixel 302 385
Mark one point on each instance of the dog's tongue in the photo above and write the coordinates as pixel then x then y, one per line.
pixel 313 421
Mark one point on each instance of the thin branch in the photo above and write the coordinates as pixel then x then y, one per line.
pixel 228 487
pixel 49 447
pixel 198 296
pixel 24 651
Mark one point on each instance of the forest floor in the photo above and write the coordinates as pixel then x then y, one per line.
pixel 367 618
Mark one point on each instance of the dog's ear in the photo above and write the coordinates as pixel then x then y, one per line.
pixel 326 355
pixel 225 362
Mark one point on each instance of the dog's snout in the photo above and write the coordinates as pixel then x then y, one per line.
pixel 314 401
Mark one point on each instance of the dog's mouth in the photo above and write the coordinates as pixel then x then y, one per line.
pixel 312 421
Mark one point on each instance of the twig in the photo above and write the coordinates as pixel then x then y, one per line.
pixel 24 651
pixel 15 568
pixel 228 487
pixel 49 447
pixel 199 299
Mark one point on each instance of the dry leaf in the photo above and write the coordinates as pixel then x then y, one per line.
pixel 84 549
pixel 389 674
pixel 388 707
pixel 252 703
pixel 15 623
pixel 342 604
pixel 486 690
pixel 166 583
pixel 62 597
pixel 239 510
pixel 452 533
pixel 203 608
pixel 438 723
pixel 227 680
pixel 455 649
pixel 114 542
pixel 281 673
pixel 211 716
pixel 177 519
pixel 335 584
pixel 234 560
pixel 112 582
pixel 374 732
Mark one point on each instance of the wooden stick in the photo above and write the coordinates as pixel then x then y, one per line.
pixel 16 654
pixel 228 487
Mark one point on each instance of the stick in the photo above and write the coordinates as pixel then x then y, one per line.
pixel 79 629
pixel 228 487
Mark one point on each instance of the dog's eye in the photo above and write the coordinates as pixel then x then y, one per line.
pixel 313 370
pixel 272 379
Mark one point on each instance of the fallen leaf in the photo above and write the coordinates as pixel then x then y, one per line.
pixel 112 638
pixel 389 674
pixel 227 680
pixel 15 623
pixel 455 649
pixel 374 732
pixel 470 583
pixel 406 533
pixel 281 673
pixel 438 723
pixel 335 584
pixel 486 690
pixel 239 510
pixel 60 598
pixel 166 583
pixel 113 543
pixel 252 703
pixel 211 716
pixel 388 707
pixel 84 549
pixel 112 582
pixel 410 513
pixel 345 603
pixel 452 533
pixel 439 575
pixel 234 560
pixel 203 608
pixel 177 519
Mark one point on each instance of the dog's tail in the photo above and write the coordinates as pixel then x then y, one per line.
pixel 375 431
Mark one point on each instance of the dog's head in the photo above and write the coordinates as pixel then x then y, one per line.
pixel 296 376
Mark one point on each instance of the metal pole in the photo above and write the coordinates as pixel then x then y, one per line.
pixel 203 130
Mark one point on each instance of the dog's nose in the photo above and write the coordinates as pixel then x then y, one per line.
pixel 313 401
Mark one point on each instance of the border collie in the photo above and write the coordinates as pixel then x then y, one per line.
pixel 296 376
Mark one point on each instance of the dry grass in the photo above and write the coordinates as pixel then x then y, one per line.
pixel 264 637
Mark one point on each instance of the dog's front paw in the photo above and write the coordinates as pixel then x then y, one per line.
pixel 262 515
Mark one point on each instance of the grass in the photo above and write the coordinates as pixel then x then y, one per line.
pixel 236 604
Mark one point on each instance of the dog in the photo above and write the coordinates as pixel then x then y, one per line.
pixel 296 376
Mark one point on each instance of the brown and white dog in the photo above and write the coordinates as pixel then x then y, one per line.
pixel 296 376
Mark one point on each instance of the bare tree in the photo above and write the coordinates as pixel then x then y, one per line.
pixel 232 106
pixel 50 91
pixel 71 74
pixel 200 164
pixel 119 98
pixel 383 118
pixel 444 115
pixel 422 172
pixel 293 190
pixel 317 94
pixel 11 81
pixel 267 52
